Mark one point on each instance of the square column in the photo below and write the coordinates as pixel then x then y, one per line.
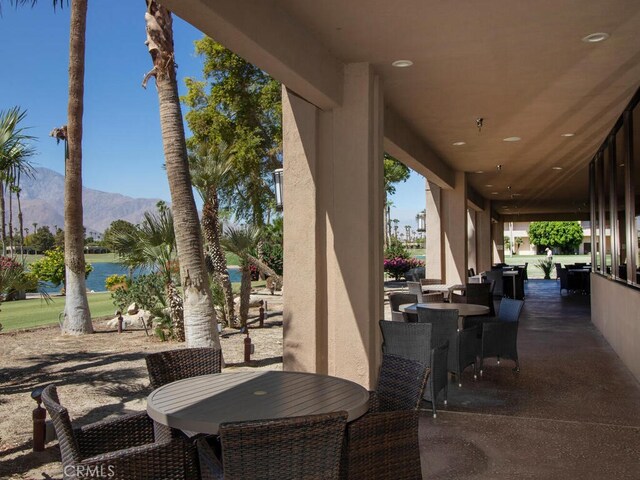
pixel 483 238
pixel 434 266
pixel 472 247
pixel 333 231
pixel 497 242
pixel 446 225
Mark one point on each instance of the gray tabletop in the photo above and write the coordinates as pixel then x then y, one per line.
pixel 464 309
pixel 201 404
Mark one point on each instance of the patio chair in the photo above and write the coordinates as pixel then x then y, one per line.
pixel 383 444
pixel 563 275
pixel 558 267
pixel 463 344
pixel 471 272
pixel 497 277
pixel 400 298
pixel 125 447
pixel 298 447
pixel 171 365
pixel 431 281
pixel 415 288
pixel 500 338
pixel 413 341
pixel 476 293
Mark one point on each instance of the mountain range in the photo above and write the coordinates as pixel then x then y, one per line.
pixel 42 198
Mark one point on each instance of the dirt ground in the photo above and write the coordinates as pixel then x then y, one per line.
pixel 98 376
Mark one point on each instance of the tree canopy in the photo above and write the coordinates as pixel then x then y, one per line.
pixel 563 236
pixel 394 172
pixel 240 105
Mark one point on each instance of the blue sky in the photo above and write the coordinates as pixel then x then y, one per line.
pixel 122 148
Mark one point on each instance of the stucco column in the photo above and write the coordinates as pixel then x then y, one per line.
pixel 472 248
pixel 434 266
pixel 453 219
pixel 483 238
pixel 333 201
pixel 497 242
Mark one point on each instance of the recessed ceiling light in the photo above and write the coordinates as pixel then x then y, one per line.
pixel 596 37
pixel 479 171
pixel 488 185
pixel 556 168
pixel 458 144
pixel 621 165
pixel 494 193
pixel 568 135
pixel 511 139
pixel 402 63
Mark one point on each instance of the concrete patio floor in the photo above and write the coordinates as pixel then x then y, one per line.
pixel 573 410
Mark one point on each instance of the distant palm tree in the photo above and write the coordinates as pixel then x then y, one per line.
pixel 199 312
pixel 242 241
pixel 14 159
pixel 210 168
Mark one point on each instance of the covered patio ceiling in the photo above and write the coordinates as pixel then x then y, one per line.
pixel 520 66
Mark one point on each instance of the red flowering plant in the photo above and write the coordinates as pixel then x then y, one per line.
pixel 397 266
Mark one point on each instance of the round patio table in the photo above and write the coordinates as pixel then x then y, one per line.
pixel 464 309
pixel 200 404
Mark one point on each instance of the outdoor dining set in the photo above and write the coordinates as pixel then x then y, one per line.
pixel 452 327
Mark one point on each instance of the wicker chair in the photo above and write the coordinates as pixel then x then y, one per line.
pixel 434 297
pixel 497 277
pixel 415 288
pixel 500 338
pixel 172 365
pixel 308 447
pixel 383 444
pixel 463 344
pixel 476 293
pixel 431 281
pixel 125 447
pixel 400 298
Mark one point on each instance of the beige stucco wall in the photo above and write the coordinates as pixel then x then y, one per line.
pixel 615 310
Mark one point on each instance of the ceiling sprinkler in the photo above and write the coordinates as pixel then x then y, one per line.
pixel 498 167
pixel 479 122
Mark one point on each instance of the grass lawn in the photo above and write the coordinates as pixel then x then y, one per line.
pixel 36 312
pixel 535 272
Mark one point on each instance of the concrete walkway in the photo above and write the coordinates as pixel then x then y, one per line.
pixel 572 412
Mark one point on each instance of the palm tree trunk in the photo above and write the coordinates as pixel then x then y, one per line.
pixel 20 224
pixel 11 244
pixel 245 293
pixel 3 231
pixel 77 315
pixel 265 270
pixel 211 230
pixel 176 309
pixel 199 313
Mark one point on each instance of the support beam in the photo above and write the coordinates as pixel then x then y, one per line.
pixel 434 266
pixel 264 34
pixel 483 238
pixel 341 277
pixel 472 239
pixel 402 142
pixel 497 241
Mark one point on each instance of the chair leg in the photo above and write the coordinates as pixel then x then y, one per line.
pixel 498 362
pixel 475 371
pixel 517 369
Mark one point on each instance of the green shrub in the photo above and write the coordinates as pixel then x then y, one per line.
pixel 114 281
pixel 51 267
pixel 396 249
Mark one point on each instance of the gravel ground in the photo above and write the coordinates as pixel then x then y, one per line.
pixel 98 376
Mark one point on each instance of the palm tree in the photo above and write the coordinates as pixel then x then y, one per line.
pixel 210 168
pixel 77 316
pixel 153 245
pixel 199 313
pixel 14 158
pixel 241 241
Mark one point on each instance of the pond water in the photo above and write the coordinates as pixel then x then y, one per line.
pixel 97 278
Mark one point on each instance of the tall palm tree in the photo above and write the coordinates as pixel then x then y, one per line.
pixel 241 241
pixel 77 316
pixel 199 313
pixel 210 168
pixel 153 245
